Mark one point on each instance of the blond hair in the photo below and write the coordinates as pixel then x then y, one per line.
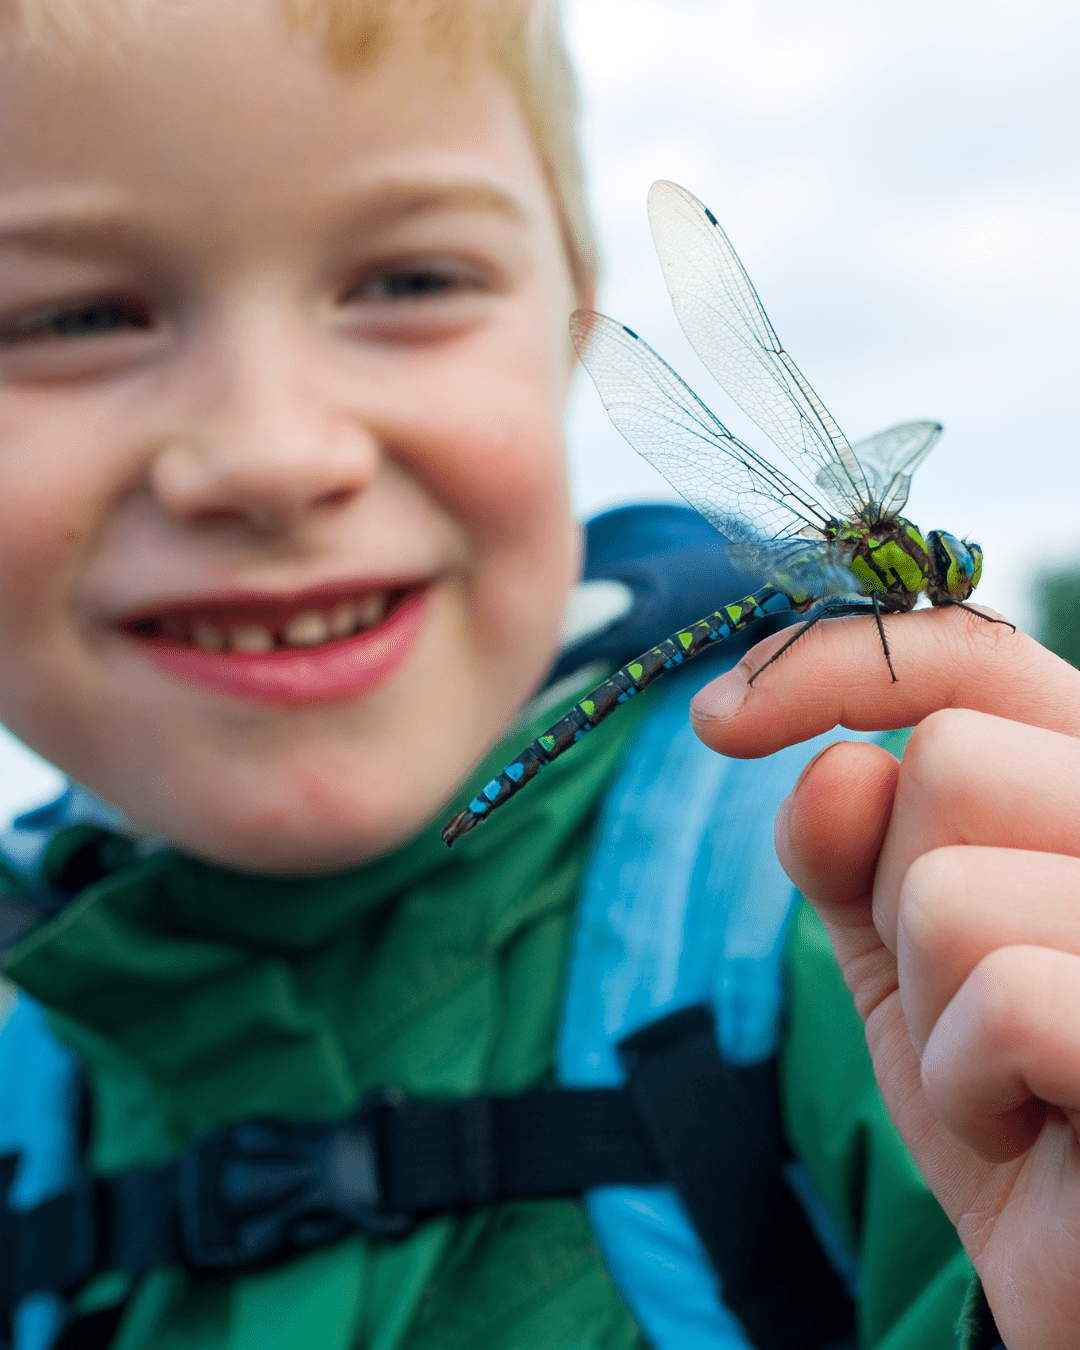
pixel 523 39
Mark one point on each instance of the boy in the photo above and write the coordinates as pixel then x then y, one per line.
pixel 286 542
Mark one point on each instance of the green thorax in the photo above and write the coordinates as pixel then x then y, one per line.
pixel 889 558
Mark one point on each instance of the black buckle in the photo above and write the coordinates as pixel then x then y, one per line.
pixel 258 1192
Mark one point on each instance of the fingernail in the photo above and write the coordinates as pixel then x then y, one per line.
pixel 720 700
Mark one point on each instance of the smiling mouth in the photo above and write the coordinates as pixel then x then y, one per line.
pixel 262 625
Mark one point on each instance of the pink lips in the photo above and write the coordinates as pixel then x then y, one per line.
pixel 326 673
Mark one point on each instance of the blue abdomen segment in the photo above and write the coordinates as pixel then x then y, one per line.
pixel 602 701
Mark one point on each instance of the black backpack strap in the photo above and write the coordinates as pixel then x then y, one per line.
pixel 717 1129
pixel 259 1192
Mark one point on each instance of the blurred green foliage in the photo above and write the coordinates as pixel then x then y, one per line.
pixel 1057 596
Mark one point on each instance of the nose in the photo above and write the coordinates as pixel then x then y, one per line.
pixel 264 442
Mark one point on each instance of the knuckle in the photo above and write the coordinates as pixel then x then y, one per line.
pixel 940 745
pixel 946 759
pixel 935 911
pixel 1002 987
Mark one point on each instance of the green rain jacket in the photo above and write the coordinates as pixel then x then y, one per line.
pixel 195 996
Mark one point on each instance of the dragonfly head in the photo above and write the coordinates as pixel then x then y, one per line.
pixel 955 567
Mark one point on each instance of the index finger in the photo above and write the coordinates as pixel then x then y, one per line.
pixel 837 676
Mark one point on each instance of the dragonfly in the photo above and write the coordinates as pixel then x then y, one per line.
pixel 825 528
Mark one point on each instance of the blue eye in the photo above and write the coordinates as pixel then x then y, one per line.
pixel 408 285
pixel 94 320
pixel 416 283
pixel 90 319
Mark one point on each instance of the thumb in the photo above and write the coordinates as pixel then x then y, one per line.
pixel 829 832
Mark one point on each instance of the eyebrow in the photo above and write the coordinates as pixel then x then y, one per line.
pixel 397 200
pixel 66 225
pixel 71 225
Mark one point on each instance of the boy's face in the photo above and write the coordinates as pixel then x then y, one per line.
pixel 284 522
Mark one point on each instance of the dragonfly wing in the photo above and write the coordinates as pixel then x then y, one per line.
pixel 722 317
pixel 738 491
pixel 807 567
pixel 890 458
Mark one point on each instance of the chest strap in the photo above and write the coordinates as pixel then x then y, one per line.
pixel 258 1192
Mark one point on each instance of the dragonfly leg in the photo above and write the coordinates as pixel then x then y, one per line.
pixel 960 604
pixel 881 634
pixel 826 612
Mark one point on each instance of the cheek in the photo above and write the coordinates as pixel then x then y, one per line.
pixel 66 460
pixel 45 520
pixel 495 459
pixel 517 504
pixel 59 478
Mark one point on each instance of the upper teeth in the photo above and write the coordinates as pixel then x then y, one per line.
pixel 252 637
pixel 344 620
pixel 306 629
pixel 205 635
pixel 370 610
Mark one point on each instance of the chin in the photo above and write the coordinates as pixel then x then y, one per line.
pixel 285 852
pixel 290 841
pixel 298 858
pixel 318 791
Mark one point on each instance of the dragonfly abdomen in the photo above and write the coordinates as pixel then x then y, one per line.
pixel 602 701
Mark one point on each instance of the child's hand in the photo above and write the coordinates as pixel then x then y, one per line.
pixel 950 886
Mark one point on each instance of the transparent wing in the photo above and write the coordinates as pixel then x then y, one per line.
pixel 740 493
pixel 806 569
pixel 722 317
pixel 888 460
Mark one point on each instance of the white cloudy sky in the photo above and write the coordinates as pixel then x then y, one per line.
pixel 901 182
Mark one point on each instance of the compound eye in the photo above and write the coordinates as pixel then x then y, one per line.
pixel 954 565
pixel 977 558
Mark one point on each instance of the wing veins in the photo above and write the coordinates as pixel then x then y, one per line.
pixel 693 249
pixel 637 385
